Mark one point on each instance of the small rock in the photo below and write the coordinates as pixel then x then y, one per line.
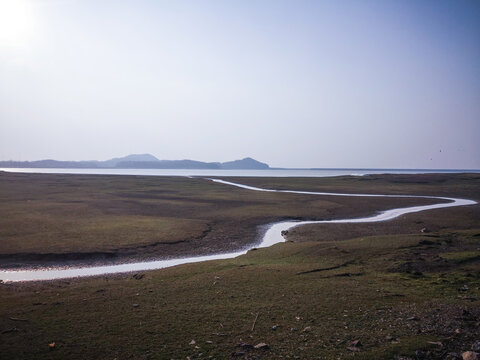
pixel 413 318
pixel 209 342
pixel 135 305
pixel 464 288
pixel 469 355
pixel 245 346
pixel 293 329
pixel 353 348
pixel 476 346
pixel 284 232
pixel 193 342
pixel 274 327
pixel 261 346
pixel 238 353
pixel 307 329
pixel 356 343
pixel 424 230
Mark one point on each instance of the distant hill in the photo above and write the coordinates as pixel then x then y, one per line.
pixel 167 164
pixel 129 158
pixel 139 161
pixel 50 164
pixel 247 163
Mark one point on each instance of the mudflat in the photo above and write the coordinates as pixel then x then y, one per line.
pixel 400 291
pixel 52 219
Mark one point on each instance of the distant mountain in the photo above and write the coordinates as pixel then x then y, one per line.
pixel 247 163
pixel 139 161
pixel 167 164
pixel 129 158
pixel 50 164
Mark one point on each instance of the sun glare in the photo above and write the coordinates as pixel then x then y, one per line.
pixel 16 22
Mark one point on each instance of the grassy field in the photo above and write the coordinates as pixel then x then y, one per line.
pixel 55 218
pixel 400 292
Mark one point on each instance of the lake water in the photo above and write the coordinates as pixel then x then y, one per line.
pixel 255 173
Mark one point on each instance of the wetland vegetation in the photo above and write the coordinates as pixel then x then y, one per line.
pixel 400 291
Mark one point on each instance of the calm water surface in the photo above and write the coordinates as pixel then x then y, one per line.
pixel 237 173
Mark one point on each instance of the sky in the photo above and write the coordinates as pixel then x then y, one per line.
pixel 359 84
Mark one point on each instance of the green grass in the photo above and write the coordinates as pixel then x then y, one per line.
pixel 95 318
pixel 63 214
pixel 331 289
pixel 462 256
pixel 43 233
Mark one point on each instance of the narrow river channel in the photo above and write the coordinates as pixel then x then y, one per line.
pixel 272 236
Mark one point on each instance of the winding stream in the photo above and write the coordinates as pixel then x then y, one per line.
pixel 271 237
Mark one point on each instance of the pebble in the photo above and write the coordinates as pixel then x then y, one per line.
pixel 356 343
pixel 469 355
pixel 353 348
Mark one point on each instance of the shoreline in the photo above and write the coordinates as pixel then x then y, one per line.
pixel 260 173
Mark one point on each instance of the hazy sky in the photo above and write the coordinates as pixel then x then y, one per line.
pixel 292 83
